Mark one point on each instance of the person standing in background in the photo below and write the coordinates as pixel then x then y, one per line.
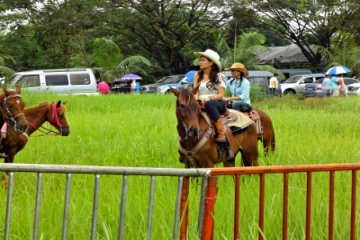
pixel 342 86
pixel 103 87
pixel 335 86
pixel 274 85
pixel 326 84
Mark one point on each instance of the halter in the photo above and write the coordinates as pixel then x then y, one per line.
pixel 208 134
pixel 9 116
pixel 55 115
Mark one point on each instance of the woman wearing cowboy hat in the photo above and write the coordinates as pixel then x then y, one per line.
pixel 210 85
pixel 239 87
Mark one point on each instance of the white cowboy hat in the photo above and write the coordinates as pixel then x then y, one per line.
pixel 212 55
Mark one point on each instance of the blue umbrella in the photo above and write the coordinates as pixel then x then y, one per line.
pixel 338 70
pixel 190 76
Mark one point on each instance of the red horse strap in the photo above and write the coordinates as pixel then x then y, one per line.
pixel 55 116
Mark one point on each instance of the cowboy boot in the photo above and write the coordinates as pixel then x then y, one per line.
pixel 220 131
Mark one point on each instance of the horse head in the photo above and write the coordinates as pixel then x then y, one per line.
pixel 12 109
pixel 188 113
pixel 57 118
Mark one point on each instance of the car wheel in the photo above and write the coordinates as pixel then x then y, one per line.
pixel 289 92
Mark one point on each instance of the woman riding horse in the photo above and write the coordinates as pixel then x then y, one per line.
pixel 211 89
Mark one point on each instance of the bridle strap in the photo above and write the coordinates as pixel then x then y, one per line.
pixel 5 107
pixel 199 145
pixel 54 115
pixel 208 134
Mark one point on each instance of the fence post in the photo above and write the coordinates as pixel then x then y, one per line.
pixel 184 209
pixel 208 225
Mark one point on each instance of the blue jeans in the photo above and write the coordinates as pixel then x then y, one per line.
pixel 241 106
pixel 215 108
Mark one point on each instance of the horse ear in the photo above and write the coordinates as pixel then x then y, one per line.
pixel 58 104
pixel 18 89
pixel 175 91
pixel 195 89
pixel 4 87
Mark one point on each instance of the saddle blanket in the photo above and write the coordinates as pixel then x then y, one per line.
pixel 238 119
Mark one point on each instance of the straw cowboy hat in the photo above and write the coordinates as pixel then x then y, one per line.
pixel 239 67
pixel 212 55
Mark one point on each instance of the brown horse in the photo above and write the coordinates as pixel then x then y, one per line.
pixel 53 112
pixel 197 145
pixel 267 137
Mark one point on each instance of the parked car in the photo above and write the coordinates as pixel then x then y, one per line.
pixel 295 71
pixel 78 81
pixel 354 88
pixel 122 86
pixel 316 90
pixel 296 84
pixel 163 85
pixel 257 78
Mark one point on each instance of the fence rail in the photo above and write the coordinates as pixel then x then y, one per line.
pixel 97 171
pixel 262 171
pixel 208 196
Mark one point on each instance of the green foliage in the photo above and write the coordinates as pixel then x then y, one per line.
pixel 105 53
pixel 345 52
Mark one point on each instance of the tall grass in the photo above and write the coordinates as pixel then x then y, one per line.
pixel 140 130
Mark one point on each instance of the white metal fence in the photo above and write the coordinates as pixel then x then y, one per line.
pixel 98 171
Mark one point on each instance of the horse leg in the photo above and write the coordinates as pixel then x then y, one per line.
pixel 230 163
pixel 249 151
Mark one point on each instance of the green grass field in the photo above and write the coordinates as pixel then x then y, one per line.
pixel 140 131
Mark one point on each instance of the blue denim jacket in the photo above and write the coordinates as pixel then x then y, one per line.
pixel 238 89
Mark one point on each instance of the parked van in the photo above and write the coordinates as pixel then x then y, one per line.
pixel 79 81
pixel 257 78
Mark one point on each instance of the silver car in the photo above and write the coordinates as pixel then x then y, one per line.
pixel 296 84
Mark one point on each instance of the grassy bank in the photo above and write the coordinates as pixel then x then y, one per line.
pixel 140 130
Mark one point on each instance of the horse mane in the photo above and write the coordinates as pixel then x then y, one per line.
pixel 185 97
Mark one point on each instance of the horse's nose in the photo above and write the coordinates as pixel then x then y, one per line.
pixel 65 131
pixel 21 127
pixel 193 131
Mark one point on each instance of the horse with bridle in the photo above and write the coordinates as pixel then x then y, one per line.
pixel 52 112
pixel 12 110
pixel 197 145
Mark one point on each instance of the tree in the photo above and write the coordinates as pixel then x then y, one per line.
pixel 109 62
pixel 246 49
pixel 308 22
pixel 166 32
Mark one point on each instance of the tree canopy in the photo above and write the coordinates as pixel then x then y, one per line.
pixel 163 35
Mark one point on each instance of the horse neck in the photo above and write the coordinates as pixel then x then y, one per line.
pixel 36 116
pixel 190 142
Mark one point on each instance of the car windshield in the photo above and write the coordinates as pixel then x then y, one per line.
pixel 292 79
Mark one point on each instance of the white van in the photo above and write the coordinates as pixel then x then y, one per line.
pixel 78 81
